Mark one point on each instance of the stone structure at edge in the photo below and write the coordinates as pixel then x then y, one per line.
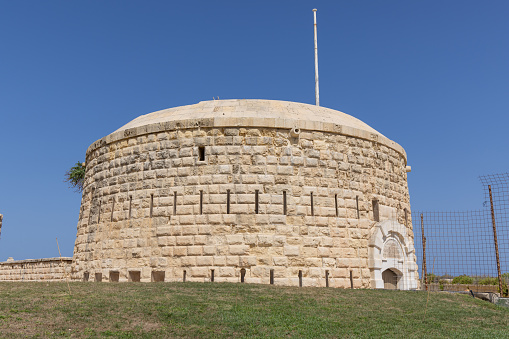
pixel 258 191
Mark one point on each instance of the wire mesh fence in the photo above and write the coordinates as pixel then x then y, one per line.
pixel 468 250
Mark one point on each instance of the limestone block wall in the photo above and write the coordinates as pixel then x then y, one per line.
pixel 256 204
pixel 47 269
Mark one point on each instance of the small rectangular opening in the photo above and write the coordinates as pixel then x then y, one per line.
pixel 312 207
pixel 98 277
pixel 284 203
pixel 130 205
pixel 99 214
pixel 85 276
pixel 228 202
pixel 257 192
pixel 201 202
pixel 201 153
pixel 212 275
pixel 272 277
pixel 357 206
pixel 114 276
pixel 242 275
pixel 112 209
pixel 351 280
pixel 151 205
pixel 336 204
pixel 175 203
pixel 406 217
pixel 326 278
pixel 134 276
pixel 184 276
pixel 300 278
pixel 91 205
pixel 158 276
pixel 376 210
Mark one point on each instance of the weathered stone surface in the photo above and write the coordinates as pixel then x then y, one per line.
pixel 48 269
pixel 171 213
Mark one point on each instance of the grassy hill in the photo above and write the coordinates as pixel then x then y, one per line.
pixel 133 310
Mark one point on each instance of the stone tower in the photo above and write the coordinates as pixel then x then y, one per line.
pixel 256 191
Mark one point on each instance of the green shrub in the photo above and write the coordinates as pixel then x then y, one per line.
pixel 463 279
pixel 488 281
pixel 76 176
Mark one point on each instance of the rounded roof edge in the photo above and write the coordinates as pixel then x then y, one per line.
pixel 249 113
pixel 247 108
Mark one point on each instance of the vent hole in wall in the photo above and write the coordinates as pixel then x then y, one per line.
pixel 114 276
pixel 201 153
pixel 134 276
pixel 158 276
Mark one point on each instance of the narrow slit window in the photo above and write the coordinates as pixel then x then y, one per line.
pixel 228 202
pixel 272 277
pixel 312 207
pixel 336 204
pixel 99 215
pixel 90 206
pixel 175 204
pixel 376 210
pixel 300 278
pixel 357 206
pixel 130 205
pixel 151 205
pixel 406 217
pixel 112 209
pixel 257 193
pixel 212 275
pixel 184 276
pixel 201 153
pixel 326 278
pixel 242 275
pixel 284 203
pixel 201 202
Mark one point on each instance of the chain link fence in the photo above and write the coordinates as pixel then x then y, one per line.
pixel 462 251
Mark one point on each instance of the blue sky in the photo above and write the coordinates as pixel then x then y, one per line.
pixel 430 75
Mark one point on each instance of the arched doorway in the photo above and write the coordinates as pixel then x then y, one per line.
pixel 391 257
pixel 390 279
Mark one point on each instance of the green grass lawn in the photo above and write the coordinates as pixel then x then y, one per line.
pixel 134 310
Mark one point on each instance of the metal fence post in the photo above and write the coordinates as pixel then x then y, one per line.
pixel 496 242
pixel 425 274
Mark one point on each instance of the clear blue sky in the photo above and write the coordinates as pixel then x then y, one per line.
pixel 430 75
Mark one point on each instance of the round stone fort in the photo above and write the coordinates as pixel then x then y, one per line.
pixel 255 191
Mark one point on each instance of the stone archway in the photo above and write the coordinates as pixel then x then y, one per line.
pixel 390 248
